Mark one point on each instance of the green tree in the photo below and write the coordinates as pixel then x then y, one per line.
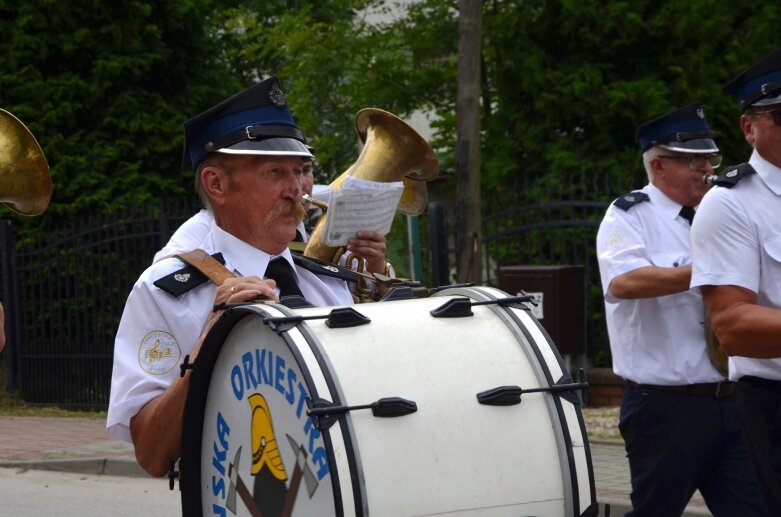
pixel 105 87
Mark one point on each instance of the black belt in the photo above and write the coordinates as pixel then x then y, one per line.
pixel 714 389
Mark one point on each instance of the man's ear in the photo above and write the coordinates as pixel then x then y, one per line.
pixel 657 167
pixel 747 125
pixel 214 182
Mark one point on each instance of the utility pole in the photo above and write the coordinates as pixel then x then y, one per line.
pixel 468 211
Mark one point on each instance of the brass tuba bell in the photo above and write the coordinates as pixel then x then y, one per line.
pixel 25 184
pixel 392 151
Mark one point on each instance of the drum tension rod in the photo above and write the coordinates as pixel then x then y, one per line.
pixel 324 413
pixel 462 307
pixel 511 395
pixel 342 317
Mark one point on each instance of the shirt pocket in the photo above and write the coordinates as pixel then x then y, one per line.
pixel 671 259
pixel 772 250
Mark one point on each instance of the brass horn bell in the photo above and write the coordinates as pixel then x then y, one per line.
pixel 25 183
pixel 392 151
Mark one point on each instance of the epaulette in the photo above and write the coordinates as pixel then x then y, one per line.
pixel 627 201
pixel 730 176
pixel 184 280
pixel 321 267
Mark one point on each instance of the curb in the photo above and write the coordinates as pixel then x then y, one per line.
pixel 99 466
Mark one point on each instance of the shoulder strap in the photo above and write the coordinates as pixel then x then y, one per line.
pixel 200 268
pixel 321 267
pixel 730 176
pixel 627 201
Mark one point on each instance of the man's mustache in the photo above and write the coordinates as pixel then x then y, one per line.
pixel 284 208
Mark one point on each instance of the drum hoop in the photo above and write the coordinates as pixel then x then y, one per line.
pixel 195 408
pixel 336 396
pixel 481 294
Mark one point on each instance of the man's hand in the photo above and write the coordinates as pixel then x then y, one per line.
pixel 245 289
pixel 370 246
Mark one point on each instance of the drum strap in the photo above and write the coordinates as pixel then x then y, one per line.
pixel 207 265
pixel 217 273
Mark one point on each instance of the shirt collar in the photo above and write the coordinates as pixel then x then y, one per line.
pixel 770 174
pixel 667 206
pixel 243 258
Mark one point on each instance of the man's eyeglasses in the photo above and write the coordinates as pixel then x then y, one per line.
pixel 697 161
pixel 776 114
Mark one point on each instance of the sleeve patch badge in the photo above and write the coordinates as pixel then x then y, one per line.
pixel 617 240
pixel 159 353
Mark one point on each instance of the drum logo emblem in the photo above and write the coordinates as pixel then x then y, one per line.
pixel 158 353
pixel 270 494
pixel 267 455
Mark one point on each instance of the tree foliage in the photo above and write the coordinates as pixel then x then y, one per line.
pixel 105 87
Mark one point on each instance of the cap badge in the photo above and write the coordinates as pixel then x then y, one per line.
pixel 276 96
pixel 700 112
pixel 179 277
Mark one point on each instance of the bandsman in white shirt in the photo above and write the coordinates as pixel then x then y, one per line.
pixel 736 243
pixel 248 154
pixel 678 412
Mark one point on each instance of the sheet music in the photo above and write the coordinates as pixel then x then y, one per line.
pixel 360 205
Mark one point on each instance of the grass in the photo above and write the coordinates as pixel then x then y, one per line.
pixel 602 423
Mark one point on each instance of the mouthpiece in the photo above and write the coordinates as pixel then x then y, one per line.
pixel 709 179
pixel 309 200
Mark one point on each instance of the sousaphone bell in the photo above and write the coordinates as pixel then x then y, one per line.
pixel 25 183
pixel 392 151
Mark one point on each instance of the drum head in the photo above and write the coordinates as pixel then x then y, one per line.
pixel 248 446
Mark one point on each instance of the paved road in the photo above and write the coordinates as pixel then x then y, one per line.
pixel 81 448
pixel 34 493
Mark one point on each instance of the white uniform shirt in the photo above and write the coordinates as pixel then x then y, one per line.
pixel 736 240
pixel 652 340
pixel 157 330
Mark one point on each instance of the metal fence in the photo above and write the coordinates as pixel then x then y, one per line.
pixel 65 293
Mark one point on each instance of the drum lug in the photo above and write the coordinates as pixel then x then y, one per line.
pixel 342 317
pixel 511 395
pixel 346 317
pixel 462 307
pixel 324 413
pixel 501 396
pixel 173 475
pixel 186 365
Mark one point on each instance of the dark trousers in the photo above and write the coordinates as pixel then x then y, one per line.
pixel 759 404
pixel 678 443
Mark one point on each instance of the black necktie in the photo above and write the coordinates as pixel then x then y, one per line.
pixel 687 213
pixel 279 269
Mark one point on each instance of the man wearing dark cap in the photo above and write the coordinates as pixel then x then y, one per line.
pixel 247 153
pixel 678 413
pixel 737 248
